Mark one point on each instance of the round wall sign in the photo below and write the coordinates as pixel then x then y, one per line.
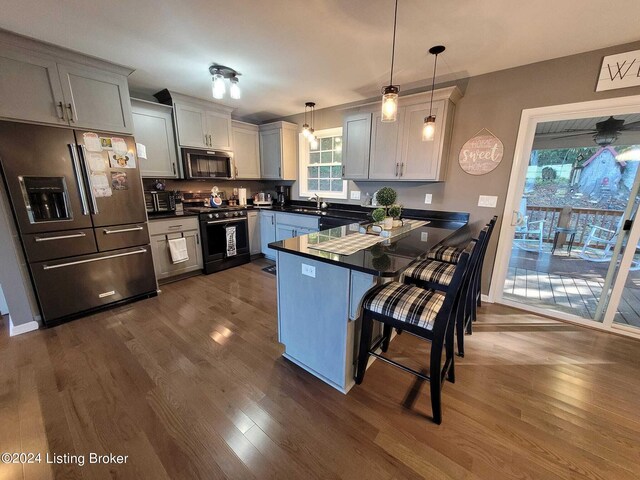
pixel 481 154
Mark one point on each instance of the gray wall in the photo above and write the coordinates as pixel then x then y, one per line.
pixel 494 101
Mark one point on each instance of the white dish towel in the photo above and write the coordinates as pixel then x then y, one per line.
pixel 178 250
pixel 231 241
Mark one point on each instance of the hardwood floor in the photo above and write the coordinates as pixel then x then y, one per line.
pixel 191 384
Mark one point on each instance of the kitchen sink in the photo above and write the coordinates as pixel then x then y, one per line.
pixel 309 210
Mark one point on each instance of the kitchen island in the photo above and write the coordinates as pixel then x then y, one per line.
pixel 320 291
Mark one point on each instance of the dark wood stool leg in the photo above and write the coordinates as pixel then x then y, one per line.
pixel 459 325
pixel 365 344
pixel 386 333
pixel 449 355
pixel 435 374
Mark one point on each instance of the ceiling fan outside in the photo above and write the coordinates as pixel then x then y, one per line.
pixel 606 131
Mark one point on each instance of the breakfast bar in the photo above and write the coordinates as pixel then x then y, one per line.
pixel 320 291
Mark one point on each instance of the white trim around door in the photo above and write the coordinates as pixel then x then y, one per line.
pixel 528 122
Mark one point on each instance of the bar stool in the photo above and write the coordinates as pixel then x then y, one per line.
pixel 424 313
pixel 437 275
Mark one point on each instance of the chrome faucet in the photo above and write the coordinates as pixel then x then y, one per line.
pixel 317 199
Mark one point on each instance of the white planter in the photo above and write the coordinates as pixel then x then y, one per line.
pixel 388 223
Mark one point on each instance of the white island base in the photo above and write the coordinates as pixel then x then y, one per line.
pixel 318 310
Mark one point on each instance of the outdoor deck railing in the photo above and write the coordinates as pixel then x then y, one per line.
pixel 580 218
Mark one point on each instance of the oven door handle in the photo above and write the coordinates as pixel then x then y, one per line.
pixel 235 220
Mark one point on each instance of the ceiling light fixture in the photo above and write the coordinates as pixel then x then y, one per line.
pixel 219 73
pixel 313 140
pixel 305 127
pixel 429 127
pixel 390 92
pixel 234 88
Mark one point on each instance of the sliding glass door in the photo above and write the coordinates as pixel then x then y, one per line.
pixel 569 246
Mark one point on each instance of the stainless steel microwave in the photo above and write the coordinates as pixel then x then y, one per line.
pixel 204 164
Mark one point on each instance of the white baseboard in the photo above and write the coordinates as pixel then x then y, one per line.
pixel 485 298
pixel 23 328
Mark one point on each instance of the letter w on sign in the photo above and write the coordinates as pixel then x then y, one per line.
pixel 619 71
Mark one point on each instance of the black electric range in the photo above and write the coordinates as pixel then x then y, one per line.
pixel 225 236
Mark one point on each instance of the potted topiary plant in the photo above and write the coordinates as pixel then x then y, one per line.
pixel 394 212
pixel 378 215
pixel 386 197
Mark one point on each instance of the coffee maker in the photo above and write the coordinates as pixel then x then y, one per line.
pixel 282 193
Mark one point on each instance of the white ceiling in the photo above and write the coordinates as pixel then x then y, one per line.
pixel 328 51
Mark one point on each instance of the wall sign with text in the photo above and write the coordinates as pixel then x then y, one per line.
pixel 619 71
pixel 481 154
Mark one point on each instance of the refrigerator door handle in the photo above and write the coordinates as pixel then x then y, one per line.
pixel 60 237
pixel 94 203
pixel 69 264
pixel 122 230
pixel 79 178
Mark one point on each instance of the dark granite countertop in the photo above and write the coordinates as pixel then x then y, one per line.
pixel 387 259
pixel 166 215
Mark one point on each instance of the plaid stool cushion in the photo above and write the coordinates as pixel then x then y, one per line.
pixel 405 303
pixel 431 271
pixel 448 254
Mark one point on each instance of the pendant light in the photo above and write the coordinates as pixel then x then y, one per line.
pixel 429 126
pixel 306 130
pixel 390 92
pixel 313 140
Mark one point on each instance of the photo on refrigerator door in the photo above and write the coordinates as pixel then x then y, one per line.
pixel 581 188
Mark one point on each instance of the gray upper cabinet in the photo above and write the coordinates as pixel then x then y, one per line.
pixel 153 127
pixel 199 123
pixel 191 126
pixel 278 151
pixel 246 150
pixel 29 88
pixel 421 160
pixel 219 130
pixel 385 162
pixel 356 133
pixel 45 84
pixel 95 99
pixel 396 150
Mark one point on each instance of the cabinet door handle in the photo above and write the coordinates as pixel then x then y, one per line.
pixel 343 170
pixel 401 169
pixel 279 171
pixel 272 220
pixel 397 165
pixel 175 226
pixel 71 115
pixel 197 238
pixel 173 165
pixel 61 107
pixel 236 172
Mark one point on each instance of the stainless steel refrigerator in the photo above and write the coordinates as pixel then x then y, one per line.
pixel 78 203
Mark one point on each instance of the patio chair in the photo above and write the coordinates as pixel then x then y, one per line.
pixel 600 242
pixel 529 235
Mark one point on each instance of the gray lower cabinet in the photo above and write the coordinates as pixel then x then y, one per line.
pixel 45 84
pixel 267 232
pixel 153 127
pixel 356 132
pixel 255 245
pixel 161 231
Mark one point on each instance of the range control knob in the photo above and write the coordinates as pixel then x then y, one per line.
pixel 216 215
pixel 235 214
pixel 226 215
pixel 242 212
pixel 210 216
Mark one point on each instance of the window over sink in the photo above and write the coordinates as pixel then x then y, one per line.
pixel 321 167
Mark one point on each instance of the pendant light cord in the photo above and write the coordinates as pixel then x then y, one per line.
pixel 393 47
pixel 433 83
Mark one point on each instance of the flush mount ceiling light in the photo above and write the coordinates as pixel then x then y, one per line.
pixel 219 73
pixel 429 126
pixel 390 92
